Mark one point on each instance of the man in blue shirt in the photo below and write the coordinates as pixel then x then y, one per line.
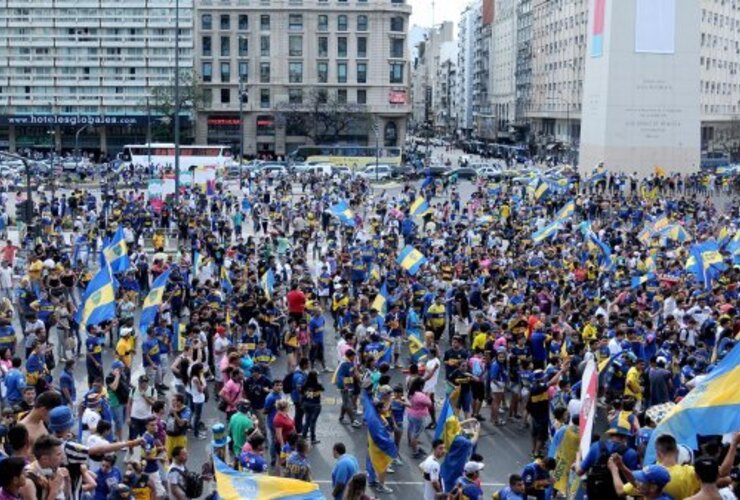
pixel 107 478
pixel 536 477
pixel 316 329
pixel 515 490
pixel 270 410
pixel 94 362
pixel 164 337
pixel 539 352
pixel 150 354
pixel 345 382
pixel 345 467
pixel 15 382
pixel 253 460
pixel 468 483
pixel 67 383
pixel 299 379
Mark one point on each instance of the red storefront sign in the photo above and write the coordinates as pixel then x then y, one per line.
pixel 397 97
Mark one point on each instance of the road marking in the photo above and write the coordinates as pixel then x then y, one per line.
pixel 408 483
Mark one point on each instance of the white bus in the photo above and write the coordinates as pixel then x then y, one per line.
pixel 163 155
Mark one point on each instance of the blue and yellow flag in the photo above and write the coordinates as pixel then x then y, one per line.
pixel 116 253
pixel 380 303
pixel 675 232
pixel 152 301
pixel 711 408
pixel 606 263
pixel 235 485
pixel 417 350
pixel 419 206
pixel 638 281
pixel 546 232
pixel 99 302
pixel 226 285
pixel 380 445
pixel 448 424
pixel 706 262
pixel 542 189
pixel 411 259
pixel 344 213
pixel 733 248
pixel 565 211
pixel 267 281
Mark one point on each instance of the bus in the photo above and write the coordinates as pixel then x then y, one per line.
pixel 355 157
pixel 163 154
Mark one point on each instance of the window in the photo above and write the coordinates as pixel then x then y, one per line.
pixel 207 71
pixel 225 46
pixel 225 72
pixel 342 96
pixel 295 96
pixel 243 46
pixel 397 47
pixel 295 22
pixel 265 72
pixel 295 46
pixel 361 46
pixel 206 22
pixel 264 46
pixel 225 22
pixel 323 23
pixel 265 22
pixel 243 22
pixel 396 73
pixel 323 72
pixel 342 46
pixel 323 96
pixel 206 48
pixel 208 97
pixel 361 96
pixel 243 71
pixel 396 23
pixel 361 72
pixel 362 23
pixel 342 23
pixel 225 96
pixel 342 72
pixel 264 98
pixel 323 46
pixel 295 72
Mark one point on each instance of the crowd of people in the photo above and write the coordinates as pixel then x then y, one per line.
pixel 256 301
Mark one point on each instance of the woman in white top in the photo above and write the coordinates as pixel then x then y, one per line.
pixel 197 391
pixel 431 376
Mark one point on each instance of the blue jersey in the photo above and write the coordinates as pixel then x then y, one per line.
pixel 345 379
pixel 398 410
pixel 253 462
pixel 95 347
pixel 316 328
pixel 150 347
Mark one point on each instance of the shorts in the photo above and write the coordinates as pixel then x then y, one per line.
pixel 478 390
pixel 158 485
pixel 497 388
pixel 118 414
pixel 416 425
pixel 464 401
pixel 171 442
pixel 540 429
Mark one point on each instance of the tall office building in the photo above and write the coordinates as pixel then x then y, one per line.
pixel 503 66
pixel 72 63
pixel 430 52
pixel 296 55
pixel 465 59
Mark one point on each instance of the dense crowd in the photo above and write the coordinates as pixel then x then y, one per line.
pixel 496 305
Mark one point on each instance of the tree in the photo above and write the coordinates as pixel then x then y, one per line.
pixel 162 103
pixel 321 117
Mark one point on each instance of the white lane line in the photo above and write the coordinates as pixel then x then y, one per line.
pixel 407 483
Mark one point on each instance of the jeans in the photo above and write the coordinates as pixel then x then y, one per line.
pixel 299 418
pixel 312 412
pixel 197 413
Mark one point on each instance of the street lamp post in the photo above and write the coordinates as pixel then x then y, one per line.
pixel 77 149
pixel 177 102
pixel 376 129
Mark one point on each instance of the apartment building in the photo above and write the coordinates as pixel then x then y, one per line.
pixel 465 53
pixel 503 67
pixel 431 51
pixel 295 54
pixel 80 71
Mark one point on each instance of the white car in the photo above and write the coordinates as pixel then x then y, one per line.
pixel 370 173
pixel 489 171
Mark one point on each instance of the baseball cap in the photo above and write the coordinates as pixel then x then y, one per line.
pixel 61 419
pixel 653 474
pixel 471 467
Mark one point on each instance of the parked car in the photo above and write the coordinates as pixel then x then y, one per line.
pixel 490 172
pixel 341 170
pixel 403 171
pixel 462 173
pixel 273 170
pixel 370 173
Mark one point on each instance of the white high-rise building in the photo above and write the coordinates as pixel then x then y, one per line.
pixel 504 65
pixel 71 63
pixel 465 64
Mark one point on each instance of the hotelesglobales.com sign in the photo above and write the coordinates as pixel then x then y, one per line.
pixel 93 120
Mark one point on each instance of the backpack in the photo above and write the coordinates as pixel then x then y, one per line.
pixel 193 483
pixel 288 383
pixel 599 482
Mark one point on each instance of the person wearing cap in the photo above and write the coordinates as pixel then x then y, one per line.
pixel 220 440
pixel 468 486
pixel 126 345
pixel 599 480
pixel 649 482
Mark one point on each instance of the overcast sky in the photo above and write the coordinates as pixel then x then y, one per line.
pixel 444 10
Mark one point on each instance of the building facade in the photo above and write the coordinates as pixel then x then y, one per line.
pixel 465 59
pixel 523 74
pixel 504 67
pixel 424 87
pixel 443 92
pixel 299 55
pixel 484 120
pixel 79 72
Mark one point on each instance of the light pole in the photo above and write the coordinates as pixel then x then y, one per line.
pixel 77 149
pixel 376 129
pixel 243 98
pixel 177 102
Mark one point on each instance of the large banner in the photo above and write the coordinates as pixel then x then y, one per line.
pixel 589 393
pixel 204 177
pixel 655 26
